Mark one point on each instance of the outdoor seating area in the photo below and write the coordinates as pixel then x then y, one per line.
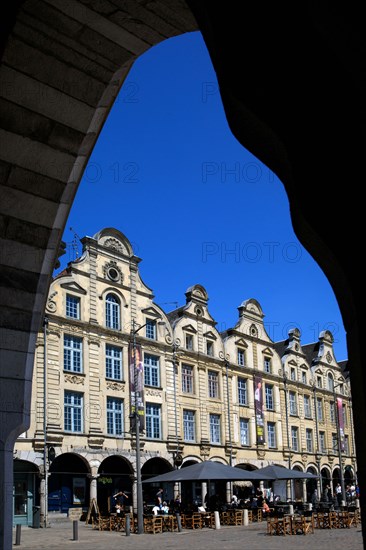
pixel 281 523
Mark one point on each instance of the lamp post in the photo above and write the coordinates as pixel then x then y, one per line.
pixel 313 384
pixel 339 444
pixel 226 360
pixel 175 347
pixel 136 416
pixel 284 378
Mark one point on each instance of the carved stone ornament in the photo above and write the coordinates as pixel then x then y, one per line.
pixel 74 379
pixel 117 386
pixel 112 272
pixel 51 304
pixel 153 393
pixel 329 357
pixel 114 244
pixel 261 453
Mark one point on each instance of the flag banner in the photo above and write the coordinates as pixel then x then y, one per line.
pixel 258 405
pixel 136 386
pixel 340 422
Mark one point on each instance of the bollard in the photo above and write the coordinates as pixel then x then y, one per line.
pixel 357 502
pixel 128 525
pixel 179 523
pixel 246 517
pixel 217 520
pixel 310 506
pixel 75 533
pixel 291 509
pixel 18 532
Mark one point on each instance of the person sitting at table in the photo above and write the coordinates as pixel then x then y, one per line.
pixel 164 508
pixel 265 508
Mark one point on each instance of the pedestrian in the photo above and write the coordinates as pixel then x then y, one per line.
pixel 159 498
pixel 118 500
pixel 338 492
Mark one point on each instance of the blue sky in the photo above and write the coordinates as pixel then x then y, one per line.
pixel 197 206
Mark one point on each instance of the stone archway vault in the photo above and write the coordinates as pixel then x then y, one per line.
pixel 291 85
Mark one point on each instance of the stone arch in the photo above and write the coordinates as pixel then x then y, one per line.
pixel 55 104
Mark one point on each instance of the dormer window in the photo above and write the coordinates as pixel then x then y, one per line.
pixel 241 357
pixel 112 312
pixel 72 307
pixel 150 329
pixel 267 364
pixel 189 342
pixel 209 348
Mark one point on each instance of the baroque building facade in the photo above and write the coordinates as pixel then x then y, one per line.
pixel 235 397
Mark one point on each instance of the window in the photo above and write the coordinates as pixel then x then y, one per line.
pixel 309 440
pixel 293 403
pixel 209 348
pixel 151 370
pixel 334 443
pixel 214 428
pixel 341 389
pixel 72 307
pixel 73 347
pixel 332 412
pixel 242 391
pixel 303 377
pixel 294 438
pixel 319 381
pixel 189 429
pixel 114 416
pixel 73 411
pixel 307 406
pixel 113 362
pixel 244 432
pixel 269 397
pixel 187 378
pixel 346 445
pixel 213 384
pixel 319 409
pixel 330 381
pixel 153 421
pixel 322 442
pixel 241 357
pixel 293 374
pixel 271 435
pixel 112 312
pixel 189 342
pixel 267 364
pixel 150 329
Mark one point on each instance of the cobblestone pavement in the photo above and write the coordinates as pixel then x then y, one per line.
pixel 251 537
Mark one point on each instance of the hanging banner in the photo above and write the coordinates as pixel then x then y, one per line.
pixel 258 406
pixel 136 369
pixel 340 422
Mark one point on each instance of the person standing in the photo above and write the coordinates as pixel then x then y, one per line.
pixel 338 491
pixel 119 500
pixel 159 497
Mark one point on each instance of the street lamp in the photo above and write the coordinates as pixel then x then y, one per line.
pixel 284 378
pixel 226 358
pixel 339 443
pixel 175 349
pixel 136 416
pixel 313 384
